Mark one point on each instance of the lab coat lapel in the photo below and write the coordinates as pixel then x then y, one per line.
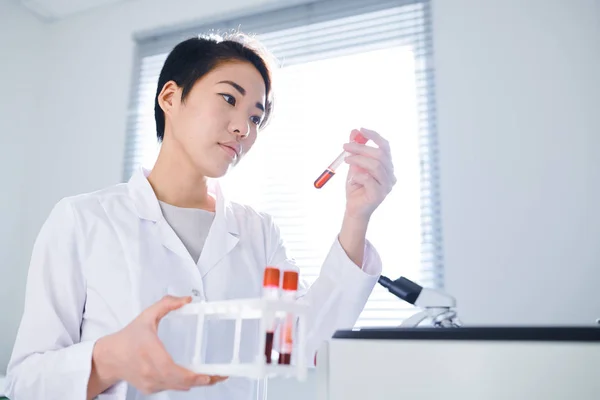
pixel 223 234
pixel 170 240
pixel 148 208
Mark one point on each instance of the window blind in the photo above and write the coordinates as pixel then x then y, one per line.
pixel 388 43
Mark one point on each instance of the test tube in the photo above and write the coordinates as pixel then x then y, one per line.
pixel 270 291
pixel 290 287
pixel 330 170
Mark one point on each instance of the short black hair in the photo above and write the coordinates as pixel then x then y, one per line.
pixel 193 58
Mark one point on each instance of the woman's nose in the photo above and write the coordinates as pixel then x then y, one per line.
pixel 240 128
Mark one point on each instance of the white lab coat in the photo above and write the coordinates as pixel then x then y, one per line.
pixel 101 258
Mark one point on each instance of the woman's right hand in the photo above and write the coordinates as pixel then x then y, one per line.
pixel 136 355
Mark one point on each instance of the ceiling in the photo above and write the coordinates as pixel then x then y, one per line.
pixel 51 10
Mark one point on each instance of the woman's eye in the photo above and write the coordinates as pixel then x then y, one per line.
pixel 229 98
pixel 255 120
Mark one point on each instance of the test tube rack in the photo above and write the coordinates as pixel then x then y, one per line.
pixel 245 309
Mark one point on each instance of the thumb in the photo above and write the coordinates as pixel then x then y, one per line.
pixel 353 134
pixel 165 305
pixel 358 137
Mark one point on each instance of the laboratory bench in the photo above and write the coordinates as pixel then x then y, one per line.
pixel 470 363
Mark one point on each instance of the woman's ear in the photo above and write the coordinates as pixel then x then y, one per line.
pixel 167 98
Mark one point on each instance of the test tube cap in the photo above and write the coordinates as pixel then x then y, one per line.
pixel 290 280
pixel 271 277
pixel 359 138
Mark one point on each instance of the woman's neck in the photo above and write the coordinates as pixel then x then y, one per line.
pixel 176 182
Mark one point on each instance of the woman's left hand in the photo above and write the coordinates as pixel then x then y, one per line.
pixel 371 174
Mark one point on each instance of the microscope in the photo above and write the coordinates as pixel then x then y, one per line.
pixel 437 307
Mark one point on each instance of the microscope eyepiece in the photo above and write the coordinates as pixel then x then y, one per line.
pixel 402 288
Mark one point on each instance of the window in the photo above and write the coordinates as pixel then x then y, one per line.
pixel 345 64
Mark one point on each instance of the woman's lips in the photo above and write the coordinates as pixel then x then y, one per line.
pixel 233 153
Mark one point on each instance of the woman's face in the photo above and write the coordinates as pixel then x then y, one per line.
pixel 218 121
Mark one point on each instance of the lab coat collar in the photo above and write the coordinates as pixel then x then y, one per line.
pixel 147 206
pixel 223 234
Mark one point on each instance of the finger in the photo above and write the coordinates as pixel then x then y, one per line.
pixel 367 181
pixel 208 380
pixel 180 378
pixel 169 375
pixel 165 305
pixel 372 152
pixel 216 379
pixel 151 377
pixel 198 380
pixel 372 166
pixel 354 133
pixel 379 140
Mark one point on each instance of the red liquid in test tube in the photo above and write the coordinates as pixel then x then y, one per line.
pixel 290 287
pixel 270 291
pixel 330 170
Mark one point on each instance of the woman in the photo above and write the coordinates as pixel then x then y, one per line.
pixel 108 266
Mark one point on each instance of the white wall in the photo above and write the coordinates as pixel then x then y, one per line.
pixel 518 91
pixel 19 109
pixel 518 104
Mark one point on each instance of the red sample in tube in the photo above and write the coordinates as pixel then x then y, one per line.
pixel 270 291
pixel 330 170
pixel 290 287
pixel 322 180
